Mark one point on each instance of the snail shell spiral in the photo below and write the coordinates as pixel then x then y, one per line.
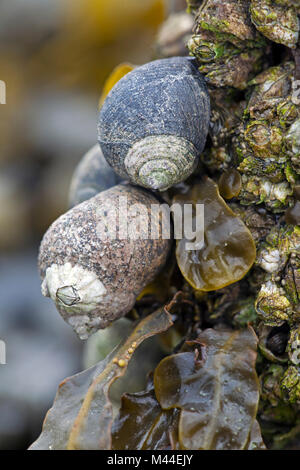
pixel 154 123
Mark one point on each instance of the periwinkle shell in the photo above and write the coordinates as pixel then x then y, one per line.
pixel 154 123
pixel 91 176
pixel 92 279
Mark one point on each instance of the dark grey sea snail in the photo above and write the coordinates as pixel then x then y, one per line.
pixel 154 123
pixel 91 176
pixel 94 279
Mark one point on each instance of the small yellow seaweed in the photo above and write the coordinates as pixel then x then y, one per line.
pixel 118 72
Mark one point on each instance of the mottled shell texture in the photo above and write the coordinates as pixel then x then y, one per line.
pixel 94 279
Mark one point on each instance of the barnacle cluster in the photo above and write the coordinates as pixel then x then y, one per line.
pixel 226 43
pixel 254 153
pixel 278 257
pixel 265 143
pixel 277 20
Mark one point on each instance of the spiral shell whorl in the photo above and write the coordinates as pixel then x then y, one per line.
pixel 158 162
pixel 159 112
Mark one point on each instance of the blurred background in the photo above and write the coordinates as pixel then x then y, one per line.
pixel 55 56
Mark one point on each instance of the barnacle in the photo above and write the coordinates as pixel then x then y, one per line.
pixel 290 384
pixel 294 345
pixel 272 305
pixel 292 144
pixel 226 44
pixel 275 408
pixel 277 20
pixel 230 19
pixel 270 384
pixel 278 256
pixel 265 144
pixel 257 220
pixel 222 62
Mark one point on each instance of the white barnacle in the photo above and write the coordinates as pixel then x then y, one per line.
pixel 273 191
pixel 293 137
pixel 282 190
pixel 269 260
pixel 273 296
pixel 266 187
pixel 76 292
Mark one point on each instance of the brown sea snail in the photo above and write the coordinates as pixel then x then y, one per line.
pixel 154 123
pixel 92 276
pixel 91 176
